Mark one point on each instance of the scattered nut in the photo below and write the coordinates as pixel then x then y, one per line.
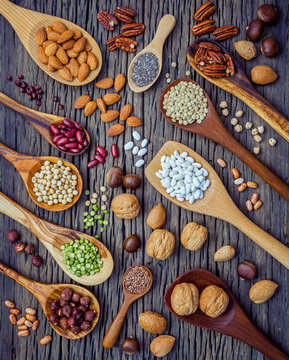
pixel 185 299
pixel 225 112
pixel 132 243
pixel 29 249
pixel 234 121
pixel 160 244
pixel 156 217
pixel 13 236
pixel 269 47
pixel 214 301
pixel 258 138
pixel 267 13
pixel 263 75
pixel 262 291
pixel 239 113
pixel 255 30
pixel 162 345
pixel 261 129
pixel 223 105
pixel 272 142
pixel 125 206
pixel 194 236
pixel 37 261
pixel 130 346
pixel 132 181
pixel 224 253
pixel 246 270
pixel 239 128
pixel 256 150
pixel 246 49
pixel 248 125
pixel 20 247
pixel 114 176
pixel 152 322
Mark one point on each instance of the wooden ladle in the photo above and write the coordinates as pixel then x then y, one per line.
pixel 46 293
pixel 233 322
pixel 155 47
pixel 40 121
pixel 217 202
pixel 54 236
pixel 240 86
pixel 27 166
pixel 213 128
pixel 113 332
pixel 26 23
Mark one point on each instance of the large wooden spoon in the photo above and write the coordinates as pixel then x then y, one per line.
pixel 155 47
pixel 27 166
pixel 213 128
pixel 26 23
pixel 40 121
pixel 217 202
pixel 240 86
pixel 234 322
pixel 54 236
pixel 46 293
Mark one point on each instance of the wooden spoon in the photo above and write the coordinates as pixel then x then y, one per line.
pixel 240 86
pixel 40 121
pixel 46 293
pixel 26 23
pixel 54 236
pixel 213 128
pixel 113 332
pixel 155 47
pixel 217 202
pixel 27 166
pixel 233 322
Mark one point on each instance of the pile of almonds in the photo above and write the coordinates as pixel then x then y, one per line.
pixel 65 51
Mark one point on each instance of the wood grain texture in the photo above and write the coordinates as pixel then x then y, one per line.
pixel 191 343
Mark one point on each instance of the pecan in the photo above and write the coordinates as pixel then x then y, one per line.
pixel 126 44
pixel 204 11
pixel 216 71
pixel 209 46
pixel 107 20
pixel 217 57
pixel 111 42
pixel 124 14
pixel 201 52
pixel 203 27
pixel 134 29
pixel 230 65
pixel 225 32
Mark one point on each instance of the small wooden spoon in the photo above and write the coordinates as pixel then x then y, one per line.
pixel 234 322
pixel 54 236
pixel 27 166
pixel 155 47
pixel 26 23
pixel 217 202
pixel 113 332
pixel 46 293
pixel 40 121
pixel 240 86
pixel 213 128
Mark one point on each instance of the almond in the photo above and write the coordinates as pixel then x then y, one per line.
pixel 61 55
pixel 48 42
pixel 104 83
pixel 77 34
pixel 41 55
pixel 110 99
pixel 133 121
pixel 109 115
pixel 90 108
pixel 91 60
pixel 87 47
pixel 65 74
pixel 65 36
pixel 40 36
pixel 156 217
pixel 262 291
pixel 82 57
pixel 83 72
pixel 68 44
pixel 152 322
pixel 115 130
pixel 162 345
pixel 79 45
pixel 71 53
pixel 59 26
pixel 101 104
pixel 51 68
pixel 74 67
pixel 224 253
pixel 53 35
pixel 125 112
pixel 51 49
pixel 119 82
pixel 48 29
pixel 263 74
pixel 81 101
pixel 246 49
pixel 54 62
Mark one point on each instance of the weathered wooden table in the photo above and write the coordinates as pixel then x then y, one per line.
pixel 191 343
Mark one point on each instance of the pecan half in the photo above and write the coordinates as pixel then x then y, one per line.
pixel 111 42
pixel 204 11
pixel 124 14
pixel 218 57
pixel 209 46
pixel 201 53
pixel 225 32
pixel 126 44
pixel 204 27
pixel 230 65
pixel 133 29
pixel 107 20
pixel 215 70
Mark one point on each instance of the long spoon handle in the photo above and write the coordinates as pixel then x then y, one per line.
pixel 166 25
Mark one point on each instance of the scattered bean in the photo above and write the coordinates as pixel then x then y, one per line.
pixel 139 163
pixel 144 143
pixel 136 135
pixel 252 184
pixel 21 321
pixel 30 317
pixel 28 323
pixel 14 311
pixel 45 340
pixel 258 204
pixel 142 152
pixel 242 187
pixel 12 319
pixel 238 181
pixel 23 333
pixel 135 150
pixel 9 304
pixel 235 173
pixel 128 146
pixel 35 325
pixel 188 73
pixel 249 205
pixel 22 327
pixel 221 163
pixel 114 150
pixel 254 198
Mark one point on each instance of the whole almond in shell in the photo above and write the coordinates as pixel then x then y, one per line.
pixel 83 72
pixel 81 101
pixel 246 49
pixel 152 322
pixel 125 112
pixel 65 74
pixel 101 105
pixel 263 75
pixel 156 217
pixel 133 121
pixel 109 115
pixel 68 44
pixel 59 26
pixel 119 82
pixel 61 55
pixel 82 57
pixel 224 253
pixel 115 130
pixel 54 62
pixel 40 36
pixel 262 291
pixel 162 345
pixel 41 55
pixel 105 83
pixel 110 99
pixel 77 34
pixel 74 67
pixel 48 42
pixel 72 54
pixel 90 108
pixel 79 45
pixel 53 35
pixel 51 49
pixel 65 36
pixel 91 60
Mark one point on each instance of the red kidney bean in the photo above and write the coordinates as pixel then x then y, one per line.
pixel 99 158
pixel 54 129
pixel 101 151
pixel 62 141
pixel 72 139
pixel 78 136
pixel 91 163
pixel 80 146
pixel 78 126
pixel 70 133
pixel 56 138
pixel 84 143
pixel 75 150
pixel 61 126
pixel 114 150
pixel 63 148
pixel 71 145
pixel 63 131
pixel 68 123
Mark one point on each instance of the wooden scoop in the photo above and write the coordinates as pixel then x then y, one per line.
pixel 233 322
pixel 155 47
pixel 217 202
pixel 40 121
pixel 113 332
pixel 240 86
pixel 46 293
pixel 54 236
pixel 27 166
pixel 27 22
pixel 213 128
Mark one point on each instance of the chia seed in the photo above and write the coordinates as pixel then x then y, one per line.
pixel 136 280
pixel 145 69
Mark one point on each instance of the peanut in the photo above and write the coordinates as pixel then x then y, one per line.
pixel 24 333
pixel 12 319
pixel 221 163
pixel 258 204
pixel 14 311
pixel 242 187
pixel 249 205
pixel 235 173
pixel 45 340
pixel 31 318
pixel 35 325
pixel 252 184
pixel 21 321
pixel 9 304
pixel 22 327
pixel 28 323
pixel 30 311
pixel 254 198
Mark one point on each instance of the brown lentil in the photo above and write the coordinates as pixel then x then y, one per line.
pixel 242 187
pixel 249 205
pixel 254 198
pixel 258 204
pixel 235 173
pixel 252 184
pixel 136 280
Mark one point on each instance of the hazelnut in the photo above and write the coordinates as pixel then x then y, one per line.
pixel 29 249
pixel 193 236
pixel 130 346
pixel 76 329
pixel 13 236
pixel 132 243
pixel 246 270
pixel 66 294
pixel 185 299
pixel 214 301
pixel 20 247
pixel 63 323
pixel 267 13
pixel 85 326
pixel 269 47
pixel 37 261
pixel 131 182
pixel 114 177
pixel 54 305
pixel 255 30
pixel 156 217
pixel 160 244
pixel 54 319
pixel 89 315
pixel 125 206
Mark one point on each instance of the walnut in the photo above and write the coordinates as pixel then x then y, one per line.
pixel 185 299
pixel 193 236
pixel 160 244
pixel 214 301
pixel 125 206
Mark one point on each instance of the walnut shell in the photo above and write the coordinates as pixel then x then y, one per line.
pixel 162 345
pixel 193 236
pixel 152 322
pixel 157 217
pixel 125 206
pixel 214 301
pixel 160 244
pixel 262 291
pixel 185 299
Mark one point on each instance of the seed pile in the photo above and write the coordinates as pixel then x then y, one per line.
pixel 183 178
pixel 145 69
pixel 136 280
